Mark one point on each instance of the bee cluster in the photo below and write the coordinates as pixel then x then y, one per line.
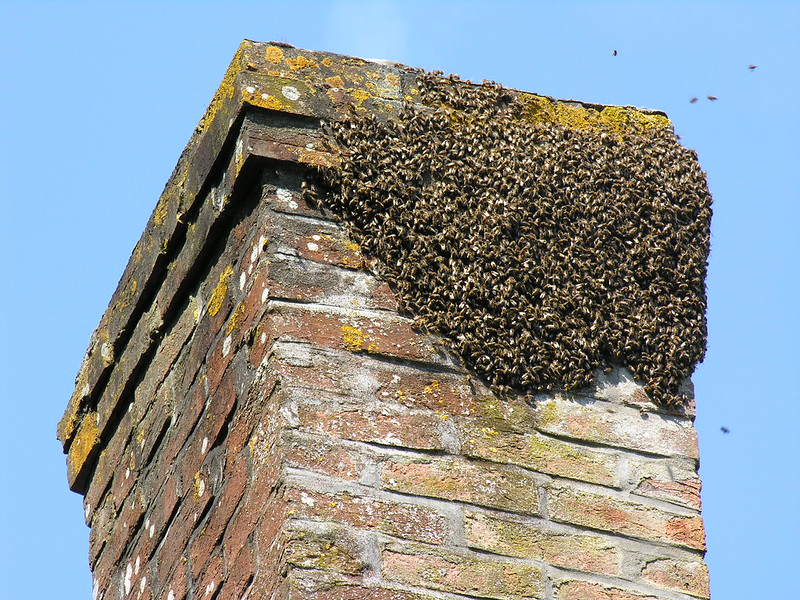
pixel 542 252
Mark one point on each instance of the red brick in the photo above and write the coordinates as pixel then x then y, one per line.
pixel 536 541
pixel 690 577
pixel 322 456
pixel 627 518
pixel 392 518
pixel 463 573
pixel 406 430
pixel 614 425
pixel 317 240
pixel 108 463
pixel 211 578
pixel 583 590
pixel 239 575
pixel 466 481
pixel 684 491
pixel 346 591
pixel 177 586
pixel 360 333
pixel 335 549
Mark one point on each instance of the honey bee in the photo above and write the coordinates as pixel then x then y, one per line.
pixel 752 67
pixel 712 98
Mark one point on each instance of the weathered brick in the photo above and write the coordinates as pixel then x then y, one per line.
pixel 398 429
pixel 323 456
pixel 583 590
pixel 210 535
pixel 177 586
pixel 625 517
pixel 537 540
pixel 294 278
pixel 538 452
pixel 466 481
pixel 399 519
pixel 690 577
pixel 359 332
pixel 363 376
pixel 317 240
pixel 464 573
pixel 306 588
pixel 211 577
pixel 330 548
pixel 239 575
pixel 670 480
pixel 611 424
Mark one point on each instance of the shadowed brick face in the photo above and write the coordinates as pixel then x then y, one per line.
pixel 256 419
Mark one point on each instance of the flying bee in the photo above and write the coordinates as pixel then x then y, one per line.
pixel 693 100
pixel 752 67
pixel 724 430
pixel 712 98
pixel 614 53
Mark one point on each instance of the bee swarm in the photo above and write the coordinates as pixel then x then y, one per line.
pixel 543 252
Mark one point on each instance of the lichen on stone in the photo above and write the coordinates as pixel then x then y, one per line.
pixel 543 240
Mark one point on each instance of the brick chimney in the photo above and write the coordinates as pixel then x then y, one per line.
pixel 261 415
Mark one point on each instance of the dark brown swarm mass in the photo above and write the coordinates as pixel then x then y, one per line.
pixel 542 252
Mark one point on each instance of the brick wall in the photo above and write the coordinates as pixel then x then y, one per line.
pixel 255 419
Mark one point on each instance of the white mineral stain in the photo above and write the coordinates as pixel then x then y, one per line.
pixel 242 280
pixel 142 584
pixel 264 295
pixel 312 246
pixel 171 595
pixel 254 251
pixel 316 238
pixel 210 588
pixel 128 576
pixel 201 488
pixel 290 92
pixel 263 338
pixel 152 530
pixel 205 446
pixel 250 89
pixel 226 347
pixel 307 500
pixel 137 565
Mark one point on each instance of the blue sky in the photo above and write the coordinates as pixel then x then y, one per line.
pixel 99 99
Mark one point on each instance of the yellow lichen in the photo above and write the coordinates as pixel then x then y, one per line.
pixel 199 487
pixel 334 81
pixel 431 387
pixel 274 54
pixel 219 293
pixel 235 319
pixel 353 338
pixel 160 213
pixel 359 95
pixel 86 439
pixel 352 246
pixel 327 61
pixel 301 62
pixel 226 88
pixel 616 119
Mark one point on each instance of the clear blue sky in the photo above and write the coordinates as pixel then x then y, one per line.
pixel 99 99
